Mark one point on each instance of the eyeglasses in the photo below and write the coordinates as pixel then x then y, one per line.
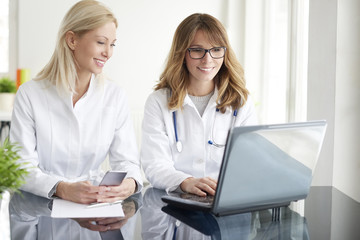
pixel 199 53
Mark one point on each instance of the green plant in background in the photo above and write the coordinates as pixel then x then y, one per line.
pixel 7 85
pixel 12 172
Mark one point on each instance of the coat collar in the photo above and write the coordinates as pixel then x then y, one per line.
pixel 212 101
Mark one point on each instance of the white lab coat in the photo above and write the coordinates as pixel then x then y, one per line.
pixel 62 142
pixel 164 166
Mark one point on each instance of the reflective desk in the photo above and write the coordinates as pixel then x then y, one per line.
pixel 332 215
pixel 147 217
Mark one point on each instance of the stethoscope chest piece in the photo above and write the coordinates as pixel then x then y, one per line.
pixel 178 143
pixel 179 146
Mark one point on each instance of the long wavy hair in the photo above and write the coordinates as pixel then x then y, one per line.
pixel 230 79
pixel 83 17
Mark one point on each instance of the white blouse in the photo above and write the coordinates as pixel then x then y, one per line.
pixel 62 142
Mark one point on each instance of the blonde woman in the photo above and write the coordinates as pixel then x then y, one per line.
pixel 200 96
pixel 68 119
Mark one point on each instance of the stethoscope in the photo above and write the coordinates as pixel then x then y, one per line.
pixel 211 142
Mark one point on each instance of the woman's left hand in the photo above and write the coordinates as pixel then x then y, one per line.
pixel 120 192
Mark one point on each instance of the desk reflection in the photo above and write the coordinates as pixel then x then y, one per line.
pixel 147 217
pixel 161 221
pixel 30 219
pixel 173 223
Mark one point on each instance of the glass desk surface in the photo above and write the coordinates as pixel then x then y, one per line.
pixel 147 217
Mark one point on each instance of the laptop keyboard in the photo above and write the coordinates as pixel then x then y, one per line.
pixel 207 199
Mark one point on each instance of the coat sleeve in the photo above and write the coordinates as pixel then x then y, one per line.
pixel 156 154
pixel 123 153
pixel 23 133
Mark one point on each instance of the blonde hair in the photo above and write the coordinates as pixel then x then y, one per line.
pixel 83 17
pixel 230 79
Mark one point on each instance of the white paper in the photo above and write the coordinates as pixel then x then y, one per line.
pixel 66 209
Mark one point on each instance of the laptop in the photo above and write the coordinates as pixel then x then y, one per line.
pixel 263 166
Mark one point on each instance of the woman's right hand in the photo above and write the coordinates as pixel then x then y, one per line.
pixel 199 186
pixel 79 192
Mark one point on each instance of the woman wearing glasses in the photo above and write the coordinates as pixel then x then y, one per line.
pixel 200 96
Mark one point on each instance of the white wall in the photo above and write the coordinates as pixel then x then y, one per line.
pixel 347 103
pixel 321 80
pixel 334 90
pixel 144 37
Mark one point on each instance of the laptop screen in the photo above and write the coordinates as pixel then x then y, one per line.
pixel 268 165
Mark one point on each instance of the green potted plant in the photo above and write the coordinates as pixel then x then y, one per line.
pixel 12 172
pixel 7 93
pixel 12 175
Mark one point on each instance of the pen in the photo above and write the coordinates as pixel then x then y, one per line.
pixel 94 205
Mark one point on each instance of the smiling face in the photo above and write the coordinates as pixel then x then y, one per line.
pixel 92 49
pixel 202 71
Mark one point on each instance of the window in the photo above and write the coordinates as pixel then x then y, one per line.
pixel 275 68
pixel 8 38
pixel 4 36
pixel 275 58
